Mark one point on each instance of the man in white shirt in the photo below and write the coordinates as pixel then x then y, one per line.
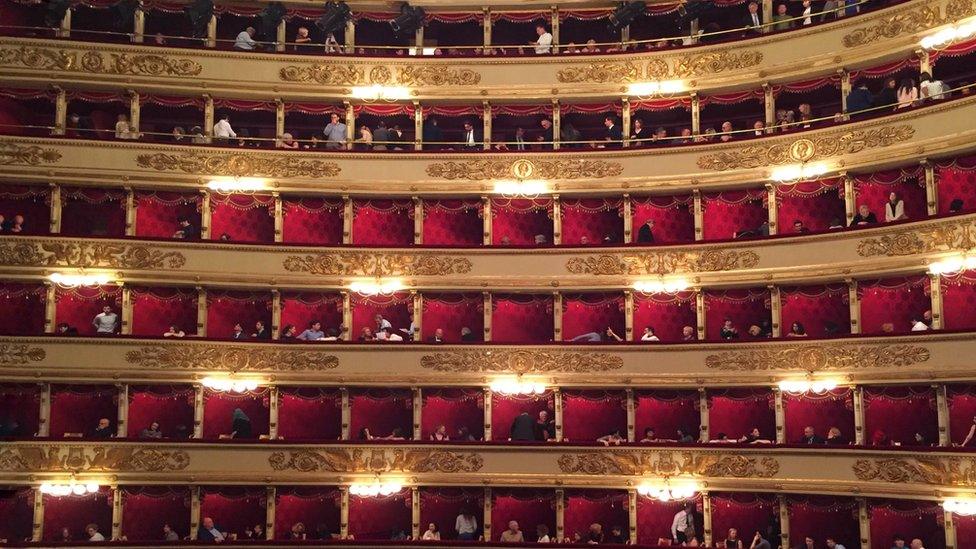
pixel 929 88
pixel 222 129
pixel 105 322
pixel 683 525
pixel 918 325
pixel 381 323
pixel 245 40
pixel 544 44
pixel 832 544
pixel 93 533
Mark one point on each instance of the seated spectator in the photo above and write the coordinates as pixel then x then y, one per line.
pixel 381 137
pixel 810 437
pixel 614 135
pixel 542 534
pixel 798 227
pixel 650 436
pixel 863 217
pixel 208 532
pixel 432 533
pixel 261 331
pixel 894 208
pixel 298 531
pixel 225 237
pixel 660 137
pixel 389 335
pixel 174 331
pixel 617 535
pixel 728 331
pixel 918 325
pixel 760 231
pixel 880 438
pixel 238 332
pixel 596 337
pixel 106 322
pixel 332 334
pixel 543 428
pixel 782 20
pixel 732 541
pixel 440 434
pixel 645 235
pixel 727 129
pixel 898 542
pixel 834 436
pixel 613 439
pixel 313 332
pixel 684 436
pixel 122 127
pixel 688 334
pixel 649 334
pixel 591 47
pixel 438 336
pixel 196 136
pixel 594 536
pixel 797 330
pixel 907 93
pixel 16 225
pixel 77 126
pixel 686 136
pixel 835 223
pixel 286 142
pixel 755 332
pixel 467 335
pixel 93 533
pixel 956 205
pixel 637 134
pixel 859 99
pixel 331 44
pixel 806 14
pixel 302 38
pixel 240 424
pixel 152 431
pixel 463 433
pixel 754 437
pixel 289 332
pixel 103 429
pixel 66 329
pixel 169 534
pixel 758 128
pixel 245 40
pixel 366 334
pixel 540 240
pixel 186 230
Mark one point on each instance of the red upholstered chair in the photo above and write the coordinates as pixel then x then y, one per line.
pixel 382 222
pixel 218 410
pixel 21 402
pixel 726 214
pixel 816 204
pixel 378 518
pixel 76 512
pixel 521 318
pixel 744 307
pixel 169 405
pixel 901 412
pixel 908 518
pixel 154 310
pixel 145 509
pixel 667 412
pixel 593 312
pixel 449 222
pixel 834 408
pixel 591 414
pixel 92 212
pixel 309 413
pixel 300 309
pixel 959 300
pixel 505 408
pixel 33 202
pixel 654 518
pixel 893 300
pixel 956 180
pixel 158 212
pixel 517 221
pixel 909 182
pixel 821 310
pixel 234 509
pixel 313 506
pixel 76 409
pixel 962 410
pixel 605 507
pixel 382 412
pixel 450 313
pixel 746 512
pixel 735 412
pixel 242 217
pixel 24 305
pixel 455 409
pixel 674 220
pixel 225 308
pixel 442 506
pixel 17 508
pixel 666 313
pixel 529 507
pixel 312 220
pixel 397 308
pixel 824 516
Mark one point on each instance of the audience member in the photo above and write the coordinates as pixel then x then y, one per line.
pixel 544 429
pixel 472 137
pixel 466 525
pixel 956 205
pixel 513 534
pixel 432 533
pixel 917 325
pixel 810 437
pixel 863 217
pixel 754 437
pixel 782 20
pixel 759 542
pixel 467 335
pixel 649 334
pixel 688 334
pixel 616 535
pixel 287 141
pixel 174 331
pixel 366 334
pixel 335 133
pixel 832 544
pixel 859 99
pixel 523 427
pixel 645 235
pixel 799 228
pixel 614 135
pixel 732 540
pixel 834 436
pixel 298 531
pixel 222 130
pixel 613 439
pixel 683 525
pixel 806 14
pixel 186 230
pixel 152 431
pixel 103 429
pixel 797 330
pixel 894 208
pixel 169 534
pixel 313 332
pixel 240 424
pixel 245 40
pixel 969 435
pixel 261 331
pixel 543 42
pixel 66 329
pixel 542 534
pixel 888 96
pixel 753 19
pixel 122 127
pixel 728 331
pixel 93 533
pixel 208 532
pixel 930 89
pixel 106 322
pixel 238 332
pixel 907 93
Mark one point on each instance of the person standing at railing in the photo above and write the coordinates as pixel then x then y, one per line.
pixel 807 11
pixel 753 21
pixel 245 40
pixel 335 133
pixel 543 44
pixel 782 20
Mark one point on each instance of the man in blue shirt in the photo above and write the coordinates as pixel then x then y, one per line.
pixel 313 332
pixel 335 134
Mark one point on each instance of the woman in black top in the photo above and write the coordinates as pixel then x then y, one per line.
pixel 241 426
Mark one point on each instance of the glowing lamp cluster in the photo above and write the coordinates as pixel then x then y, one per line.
pixel 376 287
pixel 375 489
pixel 667 492
pixel 953 264
pixel 661 286
pixel 72 489
pixel 79 279
pixel 517 386
pixel 226 385
pixel 798 172
pixel 950 34
pixel 964 507
pixel 237 184
pixel 662 87
pixel 376 92
pixel 807 386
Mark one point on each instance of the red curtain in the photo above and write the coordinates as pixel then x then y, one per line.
pixel 154 310
pixel 745 512
pixel 23 305
pixel 605 507
pixel 92 212
pixel 518 221
pixel 893 300
pixel 821 516
pixel 453 408
pixel 77 512
pixel 77 408
pixel 965 526
pixel 957 180
pixel 594 312
pixel 381 411
pixel 309 413
pixel 818 204
pixel 225 308
pixel 378 518
pixel 453 222
pixel 743 307
pixel 959 299
pixel 873 189
pixel 218 408
pixel 729 212
pixel 242 217
pixel 20 403
pixel 821 411
pixel 900 413
pixel 505 408
pixel 589 415
pixel 397 308
pixel 822 310
pixel 909 519
pixel 145 509
pixel 442 506
pixel 528 507
pixel 169 405
pixel 317 507
pixel 382 222
pixel 17 510
pixel 667 412
pixel 78 306
pixel 735 412
pixel 962 410
pixel 521 318
pixel 451 312
pixel 234 509
pixel 32 202
pixel 312 220
pixel 300 309
pixel 674 220
pixel 667 314
pixel 158 212
pixel 600 220
pixel 654 519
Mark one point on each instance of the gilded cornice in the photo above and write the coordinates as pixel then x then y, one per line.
pixel 87 254
pixel 376 460
pixel 818 357
pixel 96 62
pixel 522 168
pixel 31 155
pixel 947 236
pixel 941 471
pixel 91 458
pixel 341 73
pixel 13 354
pixel 668 463
pixel 679 67
pixel 521 361
pixel 664 262
pixel 237 164
pixel 377 264
pixel 910 21
pixel 233 358
pixel 820 147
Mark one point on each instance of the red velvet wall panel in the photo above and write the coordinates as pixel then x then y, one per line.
pixel 873 190
pixel 309 413
pixel 20 403
pixel 589 415
pixel 442 506
pixel 145 509
pixel 382 223
pixel 521 318
pixel 77 512
pixel 454 409
pixel 598 220
pixel 959 301
pixel 817 204
pixel 226 308
pixel 154 310
pixel 300 309
pixel 32 202
pixel 317 507
pixel 218 409
pixel 674 219
pixel 667 314
pixel 381 411
pixel 92 212
pixel 78 306
pixel 667 412
pixel 822 516
pixel 518 221
pixel 23 306
pixel 312 220
pixel 17 509
pixel 962 412
pixel 743 307
pixel 77 408
pixel 894 300
pixel 453 223
pixel 594 312
pixel 378 518
pixel 820 411
pixel 956 183
pixel 900 412
pixel 735 412
pixel 727 213
pixel 396 308
pixel 504 409
pixel 654 519
pixel 745 512
pixel 158 212
pixel 909 519
pixel 169 405
pixel 528 507
pixel 821 310
pixel 243 218
pixel 234 509
pixel 605 507
pixel 451 312
pixel 965 526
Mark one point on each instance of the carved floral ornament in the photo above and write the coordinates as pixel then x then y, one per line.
pixel 336 74
pixel 374 264
pixel 27 155
pixel 661 263
pixel 40 459
pixel 521 361
pixel 238 165
pixel 700 464
pixel 96 62
pixel 910 21
pixel 684 66
pixel 951 471
pixel 805 150
pixel 87 255
pixel 18 354
pixel 486 170
pixel 813 358
pixel 230 358
pixel 360 460
pixel 941 237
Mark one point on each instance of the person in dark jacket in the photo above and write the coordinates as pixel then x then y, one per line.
pixel 523 427
pixel 645 235
pixel 860 99
pixel 811 437
pixel 241 425
pixel 432 135
pixel 888 96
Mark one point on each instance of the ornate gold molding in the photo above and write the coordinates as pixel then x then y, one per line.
pixel 805 150
pixel 238 165
pixel 813 358
pixel 662 263
pixel 375 264
pixel 31 155
pixel 333 74
pixel 87 255
pixel 685 66
pixel 97 62
pixel 943 237
pixel 39 459
pixel 929 470
pixel 482 170
pixel 521 361
pixel 909 22
pixel 16 354
pixel 668 464
pixel 231 358
pixel 377 460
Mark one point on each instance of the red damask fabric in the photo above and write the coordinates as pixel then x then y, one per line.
pixel 169 405
pixel 821 516
pixel 311 220
pixel 605 507
pixel 378 518
pixel 381 411
pixel 158 212
pixel 505 408
pixel 594 312
pixel 962 411
pixel 32 202
pixel 959 301
pixel 77 408
pixel 727 213
pixel 667 412
pixel 397 308
pixel 299 309
pixel 520 220
pixel 526 506
pixel 234 509
pixel 873 189
pixel 309 413
pixel 78 306
pixel 520 318
pixel 654 519
pixel 453 223
pixel 894 300
pixel 674 219
pixel 743 307
pixel 382 223
pixel 154 310
pixel 907 518
pixel 145 509
pixel 453 408
pixel 311 505
pixel 821 310
pixel 442 506
pixel 17 508
pixel 900 412
pixel 599 220
pixel 225 308
pixel 833 409
pixel 77 512
pixel 451 312
pixel 747 513
pixel 589 415
pixel 243 218
pixel 735 412
pixel 23 305
pixel 666 314
pixel 817 204
pixel 218 410
pixel 21 402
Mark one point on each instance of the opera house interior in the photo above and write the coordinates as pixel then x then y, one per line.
pixel 460 273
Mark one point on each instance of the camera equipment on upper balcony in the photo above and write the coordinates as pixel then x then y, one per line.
pixel 410 19
pixel 270 17
pixel 334 18
pixel 624 15
pixel 200 12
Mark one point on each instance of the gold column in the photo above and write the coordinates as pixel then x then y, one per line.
pixel 855 306
pixel 418 314
pixel 557 398
pixel 767 15
pixel 208 117
pixel 700 313
pixel 625 120
pixel 116 513
pixel 486 296
pixel 938 304
pixel 350 41
pixel 201 311
pixel 776 306
pixel 864 522
pixel 418 126
pixel 556 124
pixel 418 40
pixel 784 521
pixel 629 316
pixel 64 29
pixel 950 530
pixel 126 328
pixel 850 199
pixel 281 37
pixel 769 101
pixel 279 115
pixel 486 119
pixel 344 513
pixel 703 414
pixel 273 412
pixel 486 26
pixel 695 114
pixel 555 28
pixel 415 511
pixel 55 225
pixel 279 218
pixel 632 515
pixel 275 314
pixel 698 212
pixel 50 308
pixel 486 219
pixel 135 110
pixel 859 416
pixel 37 530
pixel 418 220
pixel 269 512
pixel 346 413
pixel 198 391
pixel 780 416
pixel 211 41
pixel 628 219
pixel 138 26
pixel 205 215
pixel 772 209
pixel 560 514
pixel 624 37
pixel 557 221
pixel 931 188
pixel 557 316
pixel 130 212
pixel 44 415
pixel 350 125
pixel 487 411
pixel 707 518
pixel 845 90
pixel 60 111
pixel 347 213
pixel 942 405
pixel 924 61
pixel 347 316
pixel 418 410
pixel 194 511
pixel 631 416
pixel 486 518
